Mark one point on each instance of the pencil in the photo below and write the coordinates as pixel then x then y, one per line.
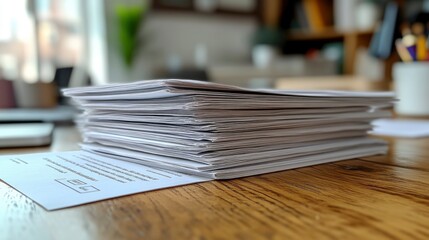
pixel 403 52
pixel 421 51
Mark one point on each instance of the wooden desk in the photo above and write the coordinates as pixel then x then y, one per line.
pixel 381 197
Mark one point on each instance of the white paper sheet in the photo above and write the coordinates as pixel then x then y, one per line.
pixel 401 128
pixel 178 87
pixel 65 179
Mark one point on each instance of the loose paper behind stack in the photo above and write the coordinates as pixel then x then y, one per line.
pixel 224 132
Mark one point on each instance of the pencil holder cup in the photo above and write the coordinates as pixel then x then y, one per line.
pixel 412 88
pixel 35 95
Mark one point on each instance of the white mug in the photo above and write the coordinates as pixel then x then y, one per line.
pixel 412 88
pixel 263 55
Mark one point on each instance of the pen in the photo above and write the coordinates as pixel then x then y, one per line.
pixel 409 40
pixel 421 50
pixel 403 52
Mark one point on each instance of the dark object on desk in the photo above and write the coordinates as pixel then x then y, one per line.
pixel 25 134
pixel 62 76
pixel 7 96
pixel 382 42
pixel 62 80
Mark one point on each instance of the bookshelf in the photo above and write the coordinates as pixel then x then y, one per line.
pixel 299 39
pixel 352 40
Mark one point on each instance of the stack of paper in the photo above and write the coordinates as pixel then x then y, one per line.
pixel 221 131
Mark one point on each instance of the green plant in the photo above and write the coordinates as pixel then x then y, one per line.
pixel 130 19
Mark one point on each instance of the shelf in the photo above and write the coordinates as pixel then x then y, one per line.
pixel 189 8
pixel 352 40
pixel 341 82
pixel 328 34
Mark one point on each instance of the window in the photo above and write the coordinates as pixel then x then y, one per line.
pixel 37 36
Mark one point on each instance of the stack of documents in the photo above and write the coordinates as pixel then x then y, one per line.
pixel 222 132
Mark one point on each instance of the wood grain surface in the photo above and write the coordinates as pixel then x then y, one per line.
pixel 381 197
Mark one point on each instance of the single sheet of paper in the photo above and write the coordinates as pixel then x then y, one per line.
pixel 401 128
pixel 65 179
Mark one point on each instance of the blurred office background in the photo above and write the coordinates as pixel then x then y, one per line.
pixel 49 44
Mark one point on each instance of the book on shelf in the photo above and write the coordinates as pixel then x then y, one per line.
pixel 314 15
